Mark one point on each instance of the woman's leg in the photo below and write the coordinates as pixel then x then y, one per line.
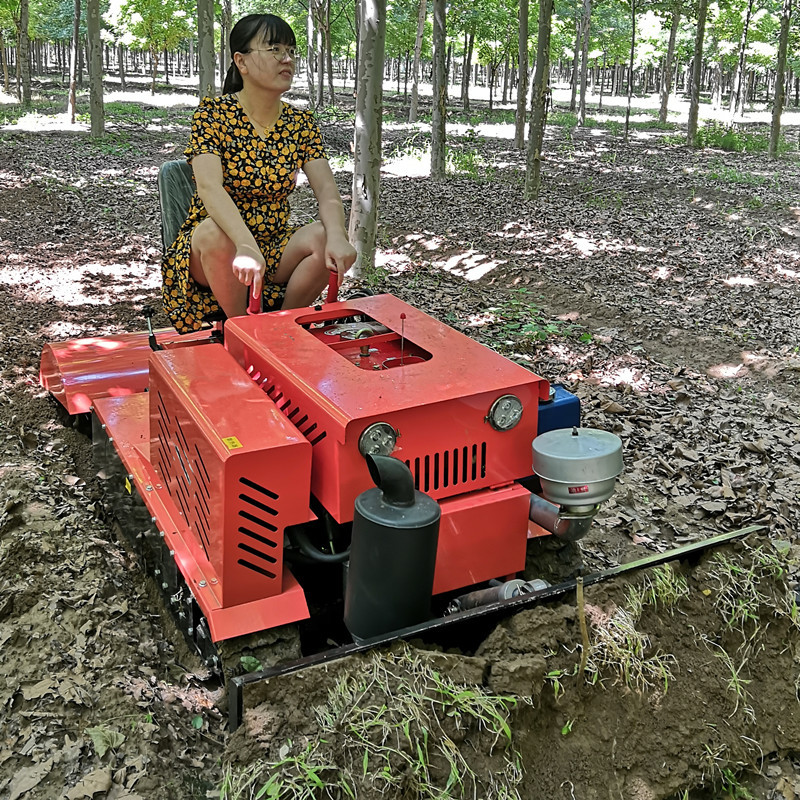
pixel 302 266
pixel 210 264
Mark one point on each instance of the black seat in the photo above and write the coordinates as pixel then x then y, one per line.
pixel 175 190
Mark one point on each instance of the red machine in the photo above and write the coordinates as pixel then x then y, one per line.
pixel 238 451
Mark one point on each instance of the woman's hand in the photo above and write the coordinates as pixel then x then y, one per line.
pixel 340 255
pixel 249 266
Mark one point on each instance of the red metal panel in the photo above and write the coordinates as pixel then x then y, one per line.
pixel 481 536
pixel 237 470
pixel 78 371
pixel 127 422
pixel 438 403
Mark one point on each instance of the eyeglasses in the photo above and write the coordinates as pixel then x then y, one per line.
pixel 278 52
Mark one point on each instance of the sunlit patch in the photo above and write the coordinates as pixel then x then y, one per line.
pixel 662 273
pixel 581 243
pixel 787 273
pixel 739 280
pixel 394 262
pixel 727 371
pixel 62 330
pixel 481 320
pixel 470 265
pixel 409 165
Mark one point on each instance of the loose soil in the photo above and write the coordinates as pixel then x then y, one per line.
pixel 658 283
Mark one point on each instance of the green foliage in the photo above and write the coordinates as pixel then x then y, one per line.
pixel 563 119
pixel 734 139
pixel 104 739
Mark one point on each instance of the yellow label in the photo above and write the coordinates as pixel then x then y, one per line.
pixel 128 486
pixel 231 442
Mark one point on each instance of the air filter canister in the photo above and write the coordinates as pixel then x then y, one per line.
pixel 577 466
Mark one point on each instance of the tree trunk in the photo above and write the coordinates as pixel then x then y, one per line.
pixel 737 96
pixel 206 56
pixel 96 109
pixel 438 127
pixel 311 55
pixel 224 38
pixel 121 67
pixel 468 45
pixel 23 54
pixel 540 94
pixel 573 83
pixel 4 63
pixel 697 71
pixel 319 50
pixel 367 141
pixel 522 87
pixel 586 21
pixel 73 61
pixel 780 79
pixel 666 73
pixel 630 70
pixel 422 14
pixel 329 53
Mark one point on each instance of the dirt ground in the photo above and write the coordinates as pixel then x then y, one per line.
pixel 660 284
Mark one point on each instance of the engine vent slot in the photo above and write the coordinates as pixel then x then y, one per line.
pixel 448 468
pixel 288 408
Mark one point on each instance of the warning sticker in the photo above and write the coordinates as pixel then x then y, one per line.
pixel 578 489
pixel 231 442
pixel 128 487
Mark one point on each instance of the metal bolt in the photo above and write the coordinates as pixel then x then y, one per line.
pixel 190 631
pixel 160 533
pixel 130 476
pixel 103 426
pixel 148 488
pixel 202 584
pixel 157 572
pixel 164 585
pixel 214 580
pixel 153 519
pixel 172 552
pixel 110 438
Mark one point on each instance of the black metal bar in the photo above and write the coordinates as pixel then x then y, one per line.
pixel 502 608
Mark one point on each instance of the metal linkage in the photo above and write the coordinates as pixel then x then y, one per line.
pixel 462 620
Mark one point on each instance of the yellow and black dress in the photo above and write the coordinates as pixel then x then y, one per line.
pixel 259 173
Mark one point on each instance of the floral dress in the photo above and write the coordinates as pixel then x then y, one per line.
pixel 259 174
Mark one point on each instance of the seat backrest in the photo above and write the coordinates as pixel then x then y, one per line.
pixel 175 190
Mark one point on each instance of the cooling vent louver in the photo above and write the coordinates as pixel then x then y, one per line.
pixel 456 467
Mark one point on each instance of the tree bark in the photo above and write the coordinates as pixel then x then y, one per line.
pixel 630 70
pixel 573 83
pixel 780 79
pixel 23 56
pixel 533 171
pixel 522 86
pixel 697 71
pixel 205 49
pixel 4 62
pixel 73 61
pixel 422 14
pixel 438 128
pixel 311 56
pixel 737 96
pixel 121 67
pixel 666 73
pixel 465 78
pixel 586 21
pixel 367 141
pixel 96 109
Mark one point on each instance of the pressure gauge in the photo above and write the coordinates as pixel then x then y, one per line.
pixel 377 439
pixel 505 412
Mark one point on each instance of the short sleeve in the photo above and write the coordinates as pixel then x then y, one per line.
pixel 311 146
pixel 206 136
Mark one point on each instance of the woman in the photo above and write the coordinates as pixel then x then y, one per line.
pixel 245 149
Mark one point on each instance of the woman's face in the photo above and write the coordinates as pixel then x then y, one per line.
pixel 268 66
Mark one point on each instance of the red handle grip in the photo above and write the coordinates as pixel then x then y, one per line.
pixel 253 303
pixel 333 287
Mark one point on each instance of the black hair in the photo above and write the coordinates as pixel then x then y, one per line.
pixel 265 27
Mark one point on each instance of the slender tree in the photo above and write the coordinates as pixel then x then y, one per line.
pixel 586 20
pixel 367 139
pixel 665 87
pixel 23 54
pixel 422 15
pixel 74 61
pixel 95 63
pixel 780 79
pixel 697 72
pixel 630 69
pixel 206 56
pixel 737 90
pixel 539 97
pixel 522 85
pixel 438 128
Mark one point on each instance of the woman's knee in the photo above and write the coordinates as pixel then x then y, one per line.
pixel 210 241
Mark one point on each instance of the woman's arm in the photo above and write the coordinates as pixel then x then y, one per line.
pixel 248 264
pixel 339 253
